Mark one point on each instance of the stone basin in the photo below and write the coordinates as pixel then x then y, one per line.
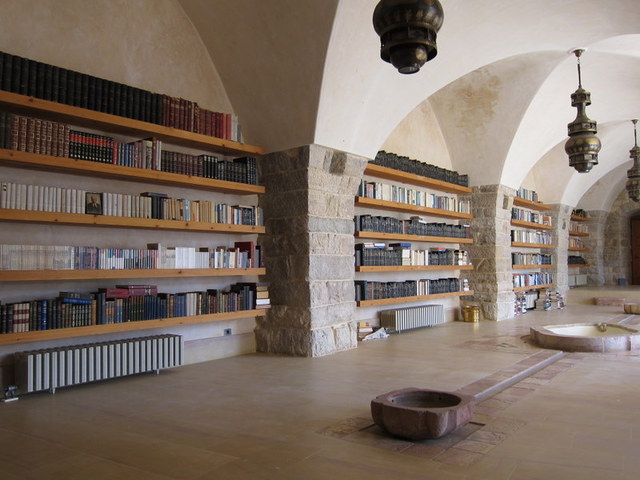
pixel 419 414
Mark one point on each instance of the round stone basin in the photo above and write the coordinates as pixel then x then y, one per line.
pixel 587 337
pixel 418 414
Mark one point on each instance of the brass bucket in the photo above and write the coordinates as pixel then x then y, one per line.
pixel 471 313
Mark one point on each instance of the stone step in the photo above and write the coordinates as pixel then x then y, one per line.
pixel 495 383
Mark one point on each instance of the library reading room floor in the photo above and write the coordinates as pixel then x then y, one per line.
pixel 270 417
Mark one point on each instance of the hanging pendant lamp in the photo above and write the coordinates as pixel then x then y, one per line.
pixel 583 145
pixel 633 174
pixel 408 31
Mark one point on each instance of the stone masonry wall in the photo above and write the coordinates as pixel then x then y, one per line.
pixel 617 243
pixel 309 208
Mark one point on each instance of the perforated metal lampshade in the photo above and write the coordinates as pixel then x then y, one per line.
pixel 408 31
pixel 583 145
pixel 633 174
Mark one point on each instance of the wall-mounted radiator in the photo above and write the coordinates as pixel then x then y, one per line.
pixel 51 368
pixel 402 319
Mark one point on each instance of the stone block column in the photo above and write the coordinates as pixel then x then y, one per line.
pixel 309 251
pixel 491 278
pixel 560 219
pixel 595 243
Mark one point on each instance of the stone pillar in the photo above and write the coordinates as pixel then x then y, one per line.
pixel 309 245
pixel 491 278
pixel 560 219
pixel 595 243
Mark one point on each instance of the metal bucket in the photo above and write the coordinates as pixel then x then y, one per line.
pixel 471 313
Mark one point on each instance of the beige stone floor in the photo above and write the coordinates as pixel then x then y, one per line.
pixel 267 417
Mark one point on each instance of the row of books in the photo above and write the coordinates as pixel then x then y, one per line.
pixel 520 258
pixel 529 236
pixel 159 206
pixel 155 256
pixel 401 254
pixel 529 216
pixel 48 82
pixel 579 212
pixel 33 135
pixel 579 227
pixel 126 303
pixel 414 226
pixel 527 194
pixel 411 196
pixel 576 260
pixel 373 290
pixel 576 242
pixel 409 165
pixel 532 279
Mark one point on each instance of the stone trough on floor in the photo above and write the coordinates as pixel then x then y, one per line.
pixel 419 414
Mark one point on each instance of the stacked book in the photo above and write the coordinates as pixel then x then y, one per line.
pixel 125 303
pixel 36 79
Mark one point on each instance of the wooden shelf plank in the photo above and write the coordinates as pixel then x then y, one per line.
pixel 404 207
pixel 42 335
pixel 413 179
pixel 411 238
pixel 577 265
pixel 574 233
pixel 578 249
pixel 103 121
pixel 578 218
pixel 524 266
pixel 106 170
pixel 46 275
pixel 531 245
pixel 411 268
pixel 418 298
pixel 534 287
pixel 521 202
pixel 30 216
pixel 536 226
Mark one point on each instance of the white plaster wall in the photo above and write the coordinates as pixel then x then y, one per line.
pixel 149 44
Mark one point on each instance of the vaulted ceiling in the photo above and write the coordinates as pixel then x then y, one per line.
pixel 308 71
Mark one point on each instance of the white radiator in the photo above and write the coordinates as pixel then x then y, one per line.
pixel 402 319
pixel 51 368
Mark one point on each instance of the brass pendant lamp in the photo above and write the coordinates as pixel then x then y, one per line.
pixel 583 145
pixel 408 31
pixel 633 174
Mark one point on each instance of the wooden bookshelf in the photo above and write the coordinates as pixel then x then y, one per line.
pixel 531 245
pixel 412 268
pixel 394 175
pixel 411 238
pixel 578 218
pixel 532 225
pixel 534 287
pixel 417 298
pixel 81 219
pixel 574 233
pixel 43 335
pixel 521 202
pixel 523 266
pixel 58 112
pixel 578 265
pixel 14 158
pixel 406 208
pixel 47 275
